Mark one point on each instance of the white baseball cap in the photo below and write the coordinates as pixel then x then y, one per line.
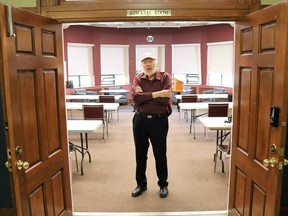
pixel 148 55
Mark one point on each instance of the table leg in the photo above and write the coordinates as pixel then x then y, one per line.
pixel 84 150
pixel 216 150
pixel 82 153
pixel 178 101
pixel 220 157
pixel 220 137
pixel 192 122
pixel 87 149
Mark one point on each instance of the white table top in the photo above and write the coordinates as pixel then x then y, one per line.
pixel 204 96
pixel 79 106
pixel 200 105
pixel 83 126
pixel 114 91
pixel 88 97
pixel 215 123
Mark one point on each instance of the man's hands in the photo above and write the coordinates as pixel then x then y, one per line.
pixel 138 89
pixel 163 93
pixel 157 94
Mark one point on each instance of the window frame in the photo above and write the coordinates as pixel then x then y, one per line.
pixel 76 63
pixel 111 60
pixel 187 68
pixel 216 64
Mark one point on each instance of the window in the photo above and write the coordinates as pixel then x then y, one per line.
pixel 114 64
pixel 80 64
pixel 220 64
pixel 186 63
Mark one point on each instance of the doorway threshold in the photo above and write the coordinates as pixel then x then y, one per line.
pixel 193 213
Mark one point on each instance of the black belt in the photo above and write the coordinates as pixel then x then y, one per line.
pixel 150 116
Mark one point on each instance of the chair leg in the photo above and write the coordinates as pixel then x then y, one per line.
pixel 73 147
pixel 227 167
pixel 222 166
pixel 105 126
pixel 221 158
pixel 215 159
pixel 76 159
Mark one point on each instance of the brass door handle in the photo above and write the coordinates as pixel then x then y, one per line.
pixel 273 162
pixel 270 162
pixel 19 164
pixel 22 165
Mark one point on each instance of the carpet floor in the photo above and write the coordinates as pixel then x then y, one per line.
pixel 109 179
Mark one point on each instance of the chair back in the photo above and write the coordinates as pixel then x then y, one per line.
pixel 218 110
pixel 106 99
pixel 230 97
pixel 95 112
pixel 189 98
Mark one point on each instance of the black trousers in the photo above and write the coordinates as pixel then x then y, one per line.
pixel 154 130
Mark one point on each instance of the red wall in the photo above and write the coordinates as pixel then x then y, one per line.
pixel 133 37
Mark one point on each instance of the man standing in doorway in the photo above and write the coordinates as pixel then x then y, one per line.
pixel 151 93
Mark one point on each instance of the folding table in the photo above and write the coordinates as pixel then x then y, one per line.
pixel 88 97
pixel 194 107
pixel 83 127
pixel 107 106
pixel 218 124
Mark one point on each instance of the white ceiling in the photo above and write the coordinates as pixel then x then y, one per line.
pixel 170 24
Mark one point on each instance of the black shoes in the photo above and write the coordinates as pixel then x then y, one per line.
pixel 163 192
pixel 138 191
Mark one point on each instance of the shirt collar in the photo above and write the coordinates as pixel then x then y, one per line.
pixel 156 76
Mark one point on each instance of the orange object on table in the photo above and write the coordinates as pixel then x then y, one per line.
pixel 177 85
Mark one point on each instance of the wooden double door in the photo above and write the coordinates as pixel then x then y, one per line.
pixel 32 90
